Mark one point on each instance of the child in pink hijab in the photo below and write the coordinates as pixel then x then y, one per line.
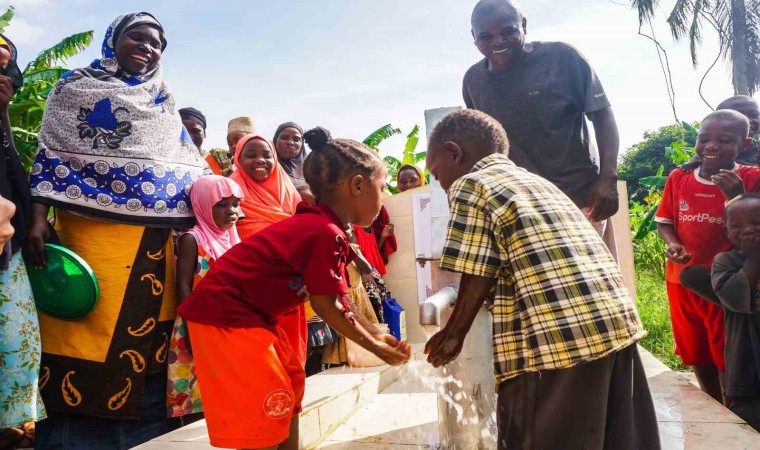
pixel 216 203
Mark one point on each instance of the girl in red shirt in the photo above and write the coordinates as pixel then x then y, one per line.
pixel 252 380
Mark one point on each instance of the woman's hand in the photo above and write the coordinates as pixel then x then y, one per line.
pixel 387 231
pixel 367 279
pixel 7 210
pixel 34 247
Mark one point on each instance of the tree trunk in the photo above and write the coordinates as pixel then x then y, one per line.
pixel 738 52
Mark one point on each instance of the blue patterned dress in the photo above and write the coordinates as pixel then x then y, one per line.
pixel 20 349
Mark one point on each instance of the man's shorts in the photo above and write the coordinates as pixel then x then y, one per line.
pixel 251 384
pixel 698 328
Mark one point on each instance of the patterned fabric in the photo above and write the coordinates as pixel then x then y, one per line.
pixel 560 298
pixel 183 394
pixel 112 145
pixel 97 365
pixel 20 400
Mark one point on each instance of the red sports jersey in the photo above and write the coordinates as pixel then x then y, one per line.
pixel 695 208
pixel 273 271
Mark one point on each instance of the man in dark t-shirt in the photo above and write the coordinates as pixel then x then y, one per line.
pixel 541 93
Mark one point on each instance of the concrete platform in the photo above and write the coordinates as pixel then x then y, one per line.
pixel 393 408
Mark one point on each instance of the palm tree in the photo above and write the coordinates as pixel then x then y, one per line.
pixel 40 76
pixel 737 23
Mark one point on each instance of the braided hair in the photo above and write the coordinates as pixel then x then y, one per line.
pixel 332 160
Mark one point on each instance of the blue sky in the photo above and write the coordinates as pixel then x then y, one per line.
pixel 354 65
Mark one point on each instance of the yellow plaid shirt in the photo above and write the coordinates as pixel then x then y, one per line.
pixel 560 299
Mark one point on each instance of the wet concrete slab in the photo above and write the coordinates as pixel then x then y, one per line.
pixel 398 411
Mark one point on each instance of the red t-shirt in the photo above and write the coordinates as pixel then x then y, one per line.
pixel 273 271
pixel 695 208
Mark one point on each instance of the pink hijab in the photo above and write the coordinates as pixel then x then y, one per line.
pixel 206 192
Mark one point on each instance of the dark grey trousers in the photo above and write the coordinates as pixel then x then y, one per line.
pixel 603 404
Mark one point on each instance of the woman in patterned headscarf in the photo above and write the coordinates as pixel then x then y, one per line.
pixel 116 163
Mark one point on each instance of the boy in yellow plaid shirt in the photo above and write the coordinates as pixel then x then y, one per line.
pixel 567 368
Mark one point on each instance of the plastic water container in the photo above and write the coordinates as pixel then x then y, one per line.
pixel 395 317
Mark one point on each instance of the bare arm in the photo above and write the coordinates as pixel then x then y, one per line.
pixel 604 192
pixel 38 235
pixel 445 345
pixel 359 331
pixel 676 251
pixel 187 260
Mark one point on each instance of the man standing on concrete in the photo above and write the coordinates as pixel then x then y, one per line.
pixel 542 92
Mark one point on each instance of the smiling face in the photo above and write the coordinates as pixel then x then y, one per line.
pixel 408 179
pixel 257 159
pixel 196 131
pixel 742 220
pixel 138 49
pixel 499 32
pixel 226 212
pixel 718 144
pixel 289 143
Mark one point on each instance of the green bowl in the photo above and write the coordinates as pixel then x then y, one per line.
pixel 66 288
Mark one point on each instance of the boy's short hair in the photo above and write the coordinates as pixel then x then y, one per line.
pixel 731 102
pixel 736 200
pixel 470 125
pixel 729 115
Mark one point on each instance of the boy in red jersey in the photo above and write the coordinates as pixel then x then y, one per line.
pixel 690 220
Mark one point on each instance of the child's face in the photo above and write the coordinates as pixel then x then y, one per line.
pixel 499 36
pixel 743 220
pixel 446 164
pixel 751 110
pixel 196 131
pixel 718 144
pixel 232 140
pixel 226 212
pixel 408 179
pixel 369 201
pixel 257 159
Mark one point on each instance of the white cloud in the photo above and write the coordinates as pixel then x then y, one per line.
pixel 22 32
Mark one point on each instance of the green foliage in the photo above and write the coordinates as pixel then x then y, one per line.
pixel 379 135
pixel 658 149
pixel 655 315
pixel 5 19
pixel 392 163
pixel 40 75
pixel 648 248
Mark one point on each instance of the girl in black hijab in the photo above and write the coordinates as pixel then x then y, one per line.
pixel 288 143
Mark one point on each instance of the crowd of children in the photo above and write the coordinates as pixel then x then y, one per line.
pixel 278 258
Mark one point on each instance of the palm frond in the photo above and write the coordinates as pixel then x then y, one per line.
pixel 60 52
pixel 379 135
pixel 680 18
pixel 645 9
pixel 5 19
pixel 695 34
pixel 743 46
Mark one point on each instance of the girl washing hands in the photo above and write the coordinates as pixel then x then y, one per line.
pixel 252 381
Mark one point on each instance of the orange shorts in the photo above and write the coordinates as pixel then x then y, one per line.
pixel 251 383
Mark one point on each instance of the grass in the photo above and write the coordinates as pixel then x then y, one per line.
pixel 655 314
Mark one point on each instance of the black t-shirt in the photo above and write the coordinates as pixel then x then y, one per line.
pixel 740 303
pixel 541 103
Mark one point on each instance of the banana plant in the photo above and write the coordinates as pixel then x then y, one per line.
pixel 40 76
pixel 392 163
